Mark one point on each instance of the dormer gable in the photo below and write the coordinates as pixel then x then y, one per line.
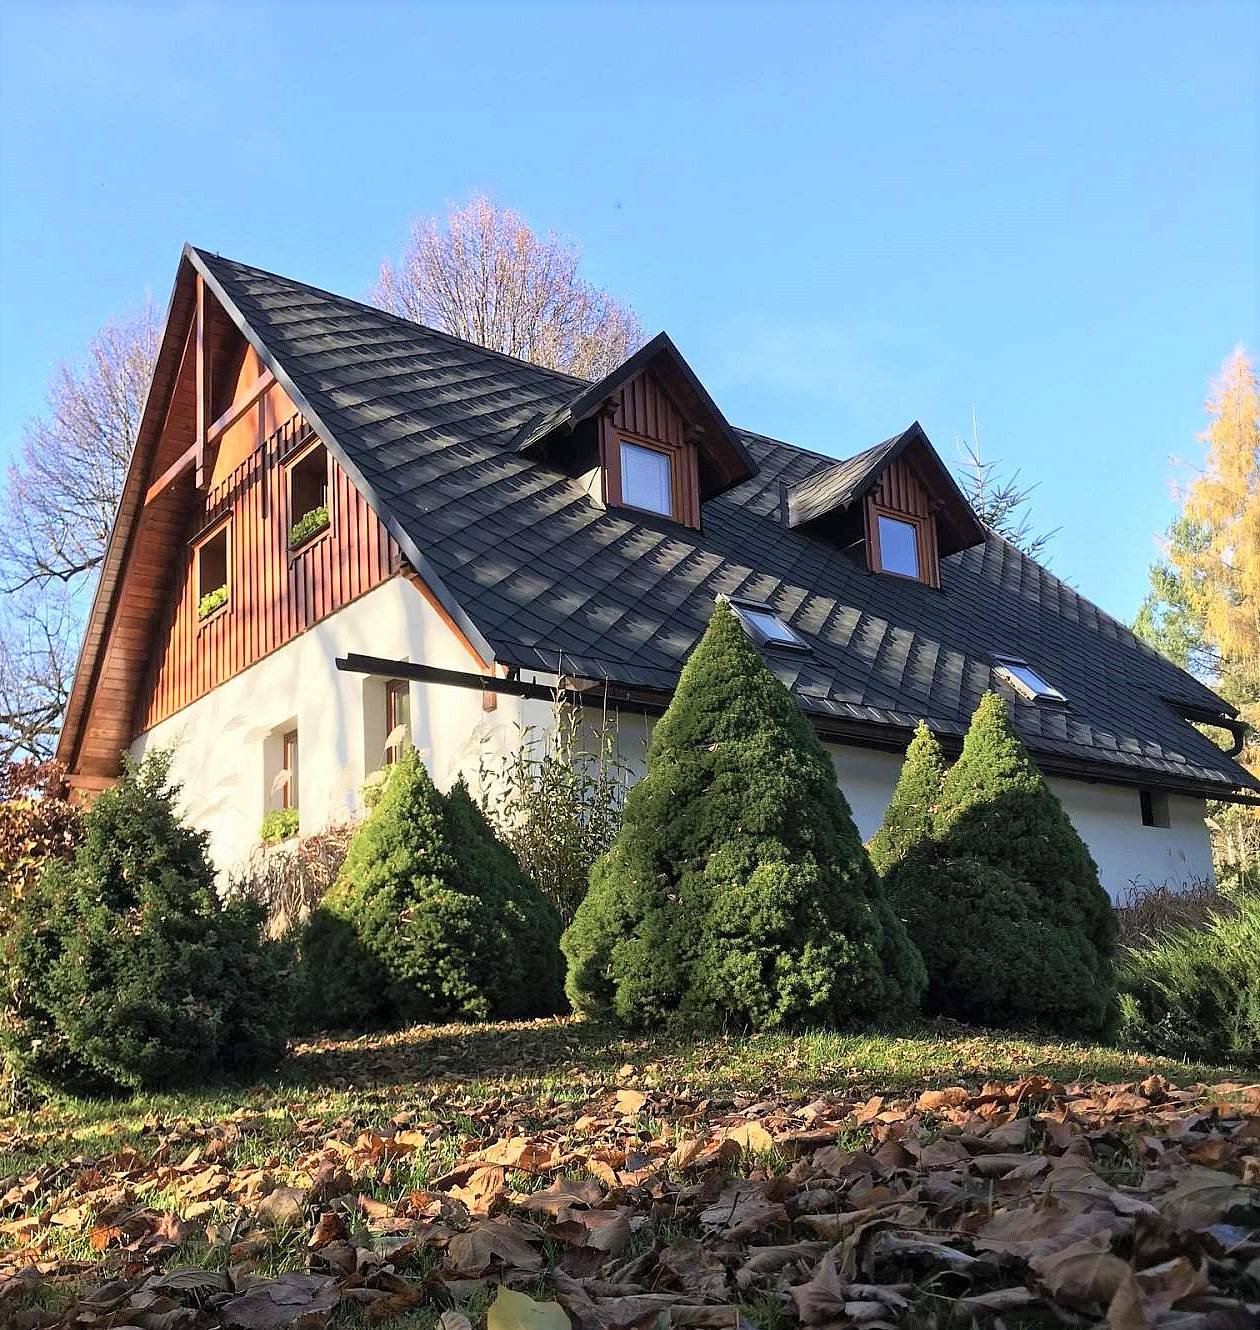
pixel 894 504
pixel 647 437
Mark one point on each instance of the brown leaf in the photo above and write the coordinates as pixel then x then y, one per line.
pixel 296 1300
pixel 484 1187
pixel 1085 1273
pixel 1201 1197
pixel 563 1195
pixel 751 1137
pixel 492 1242
pixel 284 1207
pixel 630 1103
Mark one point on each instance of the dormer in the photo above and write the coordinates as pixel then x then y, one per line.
pixel 895 507
pixel 647 438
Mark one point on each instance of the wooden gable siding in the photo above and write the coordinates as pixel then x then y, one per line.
pixel 643 411
pixel 274 593
pixel 900 493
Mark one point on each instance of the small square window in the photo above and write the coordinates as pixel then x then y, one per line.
pixel 765 627
pixel 308 496
pixel 1154 805
pixel 212 573
pixel 898 546
pixel 397 719
pixel 1026 680
pixel 646 479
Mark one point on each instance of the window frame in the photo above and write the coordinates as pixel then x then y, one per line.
pixel 1049 693
pixel 1153 809
pixel 684 474
pixel 744 607
pixel 624 441
pixel 393 688
pixel 290 465
pixel 222 528
pixel 289 744
pixel 917 525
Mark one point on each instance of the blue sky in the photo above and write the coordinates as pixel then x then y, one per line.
pixel 848 216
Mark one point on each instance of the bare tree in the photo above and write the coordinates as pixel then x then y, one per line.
pixel 482 274
pixel 1000 502
pixel 55 517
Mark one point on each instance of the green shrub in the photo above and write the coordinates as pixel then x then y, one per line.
pixel 430 919
pixel 305 527
pixel 909 816
pixel 279 824
pixel 738 889
pixel 1195 993
pixel 211 601
pixel 126 969
pixel 997 889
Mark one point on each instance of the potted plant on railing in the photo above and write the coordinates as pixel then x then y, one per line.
pixel 308 525
pixel 279 824
pixel 212 601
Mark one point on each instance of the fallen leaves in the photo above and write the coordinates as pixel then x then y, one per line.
pixel 645 1206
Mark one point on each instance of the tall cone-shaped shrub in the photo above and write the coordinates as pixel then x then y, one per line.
pixel 738 889
pixel 910 813
pixel 126 970
pixel 1002 898
pixel 430 919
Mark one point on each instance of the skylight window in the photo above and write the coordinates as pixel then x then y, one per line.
pixel 765 627
pixel 1026 681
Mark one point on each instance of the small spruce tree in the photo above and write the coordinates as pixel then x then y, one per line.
pixel 738 889
pixel 430 919
pixel 909 816
pixel 999 892
pixel 127 971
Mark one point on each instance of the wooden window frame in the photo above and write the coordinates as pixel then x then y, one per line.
pixel 683 474
pixel 289 744
pixel 393 687
pixel 294 460
pixel 220 528
pixel 877 510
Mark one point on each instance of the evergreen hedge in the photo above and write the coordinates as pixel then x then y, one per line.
pixel 431 919
pixel 997 889
pixel 737 889
pixel 126 970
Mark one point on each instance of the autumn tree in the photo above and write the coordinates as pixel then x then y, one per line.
pixel 55 517
pixel 482 274
pixel 1203 608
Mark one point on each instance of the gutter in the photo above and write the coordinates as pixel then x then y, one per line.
pixel 862 734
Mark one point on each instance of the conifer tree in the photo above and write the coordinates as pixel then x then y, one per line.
pixel 738 889
pixel 127 971
pixel 1002 898
pixel 430 919
pixel 909 816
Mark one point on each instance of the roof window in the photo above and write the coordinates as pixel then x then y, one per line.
pixel 1026 681
pixel 765 627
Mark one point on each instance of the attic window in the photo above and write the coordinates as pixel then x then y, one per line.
pixel 309 512
pixel 898 545
pixel 765 627
pixel 212 573
pixel 1025 680
pixel 647 478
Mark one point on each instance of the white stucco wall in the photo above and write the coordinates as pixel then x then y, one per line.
pixel 226 746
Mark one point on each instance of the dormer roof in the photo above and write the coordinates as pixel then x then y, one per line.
pixel 835 489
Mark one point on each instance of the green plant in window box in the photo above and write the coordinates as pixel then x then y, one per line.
pixel 280 824
pixel 305 527
pixel 212 601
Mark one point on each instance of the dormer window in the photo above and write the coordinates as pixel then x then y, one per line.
pixel 765 627
pixel 647 478
pixel 1026 681
pixel 896 545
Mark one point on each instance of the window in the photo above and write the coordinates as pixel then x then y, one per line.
pixel 1026 681
pixel 397 719
pixel 289 769
pixel 765 627
pixel 646 478
pixel 212 573
pixel 1154 805
pixel 898 546
pixel 308 496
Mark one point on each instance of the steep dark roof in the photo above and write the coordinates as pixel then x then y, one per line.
pixel 431 426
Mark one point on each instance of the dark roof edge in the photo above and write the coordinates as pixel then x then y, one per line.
pixel 378 505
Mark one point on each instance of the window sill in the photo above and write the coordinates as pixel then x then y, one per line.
pixel 217 613
pixel 308 542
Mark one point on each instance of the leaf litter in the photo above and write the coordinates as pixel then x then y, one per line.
pixel 651 1208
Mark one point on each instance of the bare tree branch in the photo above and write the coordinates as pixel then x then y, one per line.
pixel 480 273
pixel 1000 502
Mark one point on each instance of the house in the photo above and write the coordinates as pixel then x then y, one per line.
pixel 339 528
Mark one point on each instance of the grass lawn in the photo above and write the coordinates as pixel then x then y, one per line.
pixel 429 1130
